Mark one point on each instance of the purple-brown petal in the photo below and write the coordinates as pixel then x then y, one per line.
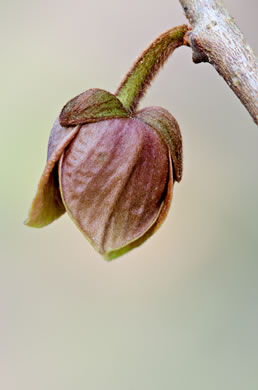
pixel 113 180
pixel 167 127
pixel 162 215
pixel 47 204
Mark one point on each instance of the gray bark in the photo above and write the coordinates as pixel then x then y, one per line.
pixel 215 38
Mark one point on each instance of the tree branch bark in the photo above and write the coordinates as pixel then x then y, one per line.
pixel 215 38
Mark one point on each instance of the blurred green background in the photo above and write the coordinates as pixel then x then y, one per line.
pixel 180 312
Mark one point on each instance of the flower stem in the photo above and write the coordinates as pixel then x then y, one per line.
pixel 139 77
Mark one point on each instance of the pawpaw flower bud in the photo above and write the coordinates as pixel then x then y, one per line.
pixel 112 171
pixel 113 168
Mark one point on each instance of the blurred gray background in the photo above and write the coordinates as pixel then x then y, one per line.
pixel 181 311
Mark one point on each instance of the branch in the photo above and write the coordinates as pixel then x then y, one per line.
pixel 215 38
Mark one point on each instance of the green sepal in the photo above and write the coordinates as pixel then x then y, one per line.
pixel 167 127
pixel 91 106
pixel 47 204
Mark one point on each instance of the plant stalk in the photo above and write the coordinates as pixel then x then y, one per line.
pixel 139 77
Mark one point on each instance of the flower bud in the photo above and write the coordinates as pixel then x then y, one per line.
pixel 110 167
pixel 112 171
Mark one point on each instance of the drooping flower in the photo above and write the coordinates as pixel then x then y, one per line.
pixel 113 168
pixel 112 171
